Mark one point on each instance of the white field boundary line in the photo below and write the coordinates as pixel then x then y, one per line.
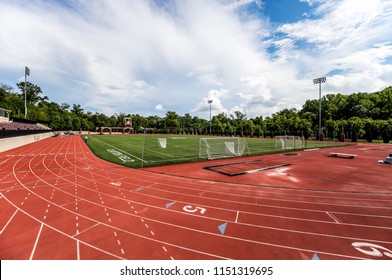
pixel 267 192
pixel 201 231
pixel 36 242
pixel 270 215
pixel 63 233
pixel 271 206
pixel 82 147
pixel 186 228
pixel 104 224
pixel 181 247
pixel 297 201
pixel 114 147
pixel 75 159
pixel 252 188
pixel 333 217
pixel 204 233
pixel 10 219
pixel 358 199
pixel 138 216
pixel 277 216
pixel 39 221
pixel 289 200
pixel 236 217
pixel 112 227
pixel 319 211
pixel 219 185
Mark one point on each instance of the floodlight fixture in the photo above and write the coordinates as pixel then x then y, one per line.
pixel 27 73
pixel 320 81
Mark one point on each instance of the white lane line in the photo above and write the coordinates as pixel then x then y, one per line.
pixel 236 218
pixel 36 242
pixel 333 217
pixel 78 249
pixel 179 246
pixel 8 221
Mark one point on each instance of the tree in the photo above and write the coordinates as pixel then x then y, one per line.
pixel 385 129
pixel 237 121
pixel 32 92
pixel 356 126
pixel 249 128
pixel 172 121
pixel 77 110
pixel 371 128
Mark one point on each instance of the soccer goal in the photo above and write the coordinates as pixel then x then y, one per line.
pixel 213 148
pixel 161 142
pixel 289 142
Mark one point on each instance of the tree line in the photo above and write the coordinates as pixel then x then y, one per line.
pixel 359 115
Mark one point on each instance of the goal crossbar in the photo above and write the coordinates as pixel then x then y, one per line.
pixel 289 142
pixel 221 147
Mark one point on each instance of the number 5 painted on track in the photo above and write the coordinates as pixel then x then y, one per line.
pixel 190 209
pixel 374 249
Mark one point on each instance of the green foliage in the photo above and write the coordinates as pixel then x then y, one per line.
pixel 361 114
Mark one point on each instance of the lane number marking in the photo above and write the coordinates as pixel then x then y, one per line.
pixel 191 209
pixel 372 249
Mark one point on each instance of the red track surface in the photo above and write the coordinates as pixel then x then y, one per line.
pixel 58 201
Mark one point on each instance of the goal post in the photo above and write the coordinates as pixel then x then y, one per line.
pixel 213 148
pixel 289 142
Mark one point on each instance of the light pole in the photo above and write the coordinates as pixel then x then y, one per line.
pixel 320 81
pixel 209 102
pixel 27 73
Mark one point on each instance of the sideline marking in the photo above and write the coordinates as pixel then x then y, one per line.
pixel 120 156
pixel 9 221
pixel 36 242
pixel 333 217
pixel 98 140
pixel 236 218
pixel 78 250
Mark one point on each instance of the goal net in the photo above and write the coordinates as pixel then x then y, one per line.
pixel 213 148
pixel 289 142
pixel 161 143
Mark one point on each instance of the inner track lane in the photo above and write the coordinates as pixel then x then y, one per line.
pixel 92 200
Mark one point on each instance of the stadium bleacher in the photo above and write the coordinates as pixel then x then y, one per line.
pixel 21 126
pixel 18 127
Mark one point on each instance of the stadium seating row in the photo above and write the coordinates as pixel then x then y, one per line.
pixel 20 126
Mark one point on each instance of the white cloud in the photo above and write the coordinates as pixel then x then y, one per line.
pixel 216 97
pixel 159 107
pixel 129 56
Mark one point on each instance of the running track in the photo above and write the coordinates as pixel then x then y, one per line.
pixel 58 201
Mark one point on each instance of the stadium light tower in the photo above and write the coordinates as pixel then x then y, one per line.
pixel 27 73
pixel 320 81
pixel 209 102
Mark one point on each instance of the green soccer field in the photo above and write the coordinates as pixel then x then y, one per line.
pixel 144 150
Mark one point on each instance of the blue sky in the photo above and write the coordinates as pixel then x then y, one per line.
pixel 286 11
pixel 149 57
